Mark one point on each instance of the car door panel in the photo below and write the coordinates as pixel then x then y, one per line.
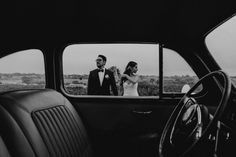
pixel 124 122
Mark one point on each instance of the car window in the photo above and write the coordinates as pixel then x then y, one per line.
pixel 22 70
pixel 80 59
pixel 81 75
pixel 178 77
pixel 221 44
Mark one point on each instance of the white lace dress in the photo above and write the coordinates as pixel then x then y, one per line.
pixel 130 89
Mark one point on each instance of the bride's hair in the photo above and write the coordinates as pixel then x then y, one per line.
pixel 127 71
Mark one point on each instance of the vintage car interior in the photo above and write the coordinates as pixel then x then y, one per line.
pixel 48 48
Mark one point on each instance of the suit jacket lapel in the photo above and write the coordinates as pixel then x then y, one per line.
pixel 97 77
pixel 104 78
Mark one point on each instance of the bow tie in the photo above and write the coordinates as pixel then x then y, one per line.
pixel 100 70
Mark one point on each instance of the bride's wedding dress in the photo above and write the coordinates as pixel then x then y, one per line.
pixel 130 89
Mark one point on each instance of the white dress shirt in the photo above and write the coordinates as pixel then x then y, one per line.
pixel 101 76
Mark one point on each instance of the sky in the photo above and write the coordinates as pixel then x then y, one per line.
pixel 222 45
pixel 80 59
pixel 28 61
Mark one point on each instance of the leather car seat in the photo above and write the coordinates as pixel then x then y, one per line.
pixel 3 149
pixel 42 123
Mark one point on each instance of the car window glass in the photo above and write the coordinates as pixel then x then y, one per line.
pixel 80 59
pixel 178 77
pixel 22 70
pixel 221 44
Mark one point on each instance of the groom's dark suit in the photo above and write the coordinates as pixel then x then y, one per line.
pixel 94 86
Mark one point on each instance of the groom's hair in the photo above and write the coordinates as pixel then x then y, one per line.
pixel 103 57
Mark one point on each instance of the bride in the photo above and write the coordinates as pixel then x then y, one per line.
pixel 129 80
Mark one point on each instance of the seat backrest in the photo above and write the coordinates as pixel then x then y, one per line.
pixel 3 149
pixel 42 123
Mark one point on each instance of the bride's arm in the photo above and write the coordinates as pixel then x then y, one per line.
pixel 131 79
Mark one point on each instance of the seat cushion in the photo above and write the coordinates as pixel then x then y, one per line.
pixel 45 123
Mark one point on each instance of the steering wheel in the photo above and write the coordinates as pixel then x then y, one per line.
pixel 190 123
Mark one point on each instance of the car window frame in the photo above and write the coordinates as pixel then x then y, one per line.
pixel 44 65
pixel 60 84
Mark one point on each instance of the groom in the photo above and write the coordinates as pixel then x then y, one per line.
pixel 100 80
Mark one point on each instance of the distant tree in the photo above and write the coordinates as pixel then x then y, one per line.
pixel 26 80
pixel 66 83
pixel 75 82
pixel 152 80
pixel 76 90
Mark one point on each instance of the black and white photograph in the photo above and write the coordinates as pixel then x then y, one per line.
pixel 111 78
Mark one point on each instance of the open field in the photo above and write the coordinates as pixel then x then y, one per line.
pixel 77 84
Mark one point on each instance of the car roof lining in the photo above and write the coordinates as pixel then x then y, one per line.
pixel 41 24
